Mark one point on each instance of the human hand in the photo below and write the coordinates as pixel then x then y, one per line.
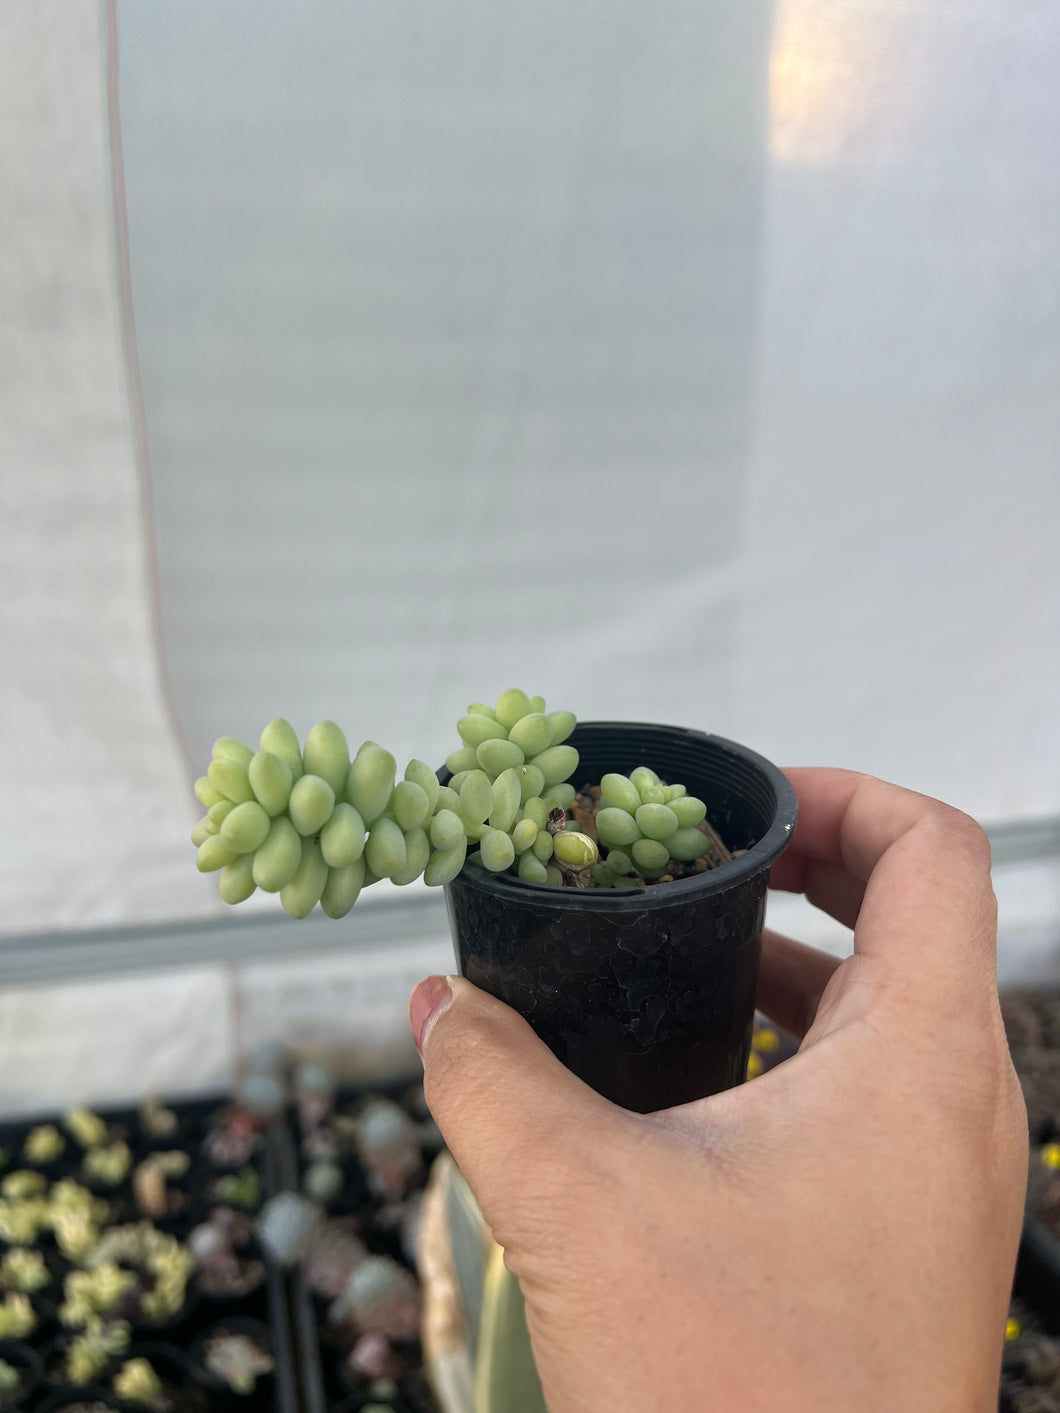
pixel 839 1234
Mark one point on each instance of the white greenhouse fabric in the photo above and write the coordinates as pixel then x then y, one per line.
pixel 683 362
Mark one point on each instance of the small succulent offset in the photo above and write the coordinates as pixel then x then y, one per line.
pixel 242 1189
pixel 18 1319
pixel 136 1382
pixel 22 1219
pixel 164 1262
pixel 44 1144
pixel 89 1353
pixel 237 1360
pixel 76 1217
pixel 23 1270
pixel 23 1184
pixel 108 1165
pixel 85 1127
pixel 157 1121
pixel 150 1179
pixel 312 824
pixel 87 1295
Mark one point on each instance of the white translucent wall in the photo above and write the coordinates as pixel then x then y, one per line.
pixel 683 362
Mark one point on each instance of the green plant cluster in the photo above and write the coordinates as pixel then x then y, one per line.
pixel 318 824
pixel 644 824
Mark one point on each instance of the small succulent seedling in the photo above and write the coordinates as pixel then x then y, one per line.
pixel 388 1146
pixel 380 1297
pixel 237 1360
pixel 156 1120
pixel 318 824
pixel 89 1353
pixel 222 1271
pixel 21 1185
pixel 75 1216
pixel 90 1294
pixel 108 1165
pixel 136 1382
pixel 18 1319
pixel 242 1189
pixel 24 1270
pixel 85 1127
pixel 150 1179
pixel 289 1226
pixel 22 1219
pixel 44 1144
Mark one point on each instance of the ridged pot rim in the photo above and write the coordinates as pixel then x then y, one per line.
pixel 657 897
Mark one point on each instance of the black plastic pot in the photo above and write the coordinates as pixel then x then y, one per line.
pixel 646 994
pixel 27 1361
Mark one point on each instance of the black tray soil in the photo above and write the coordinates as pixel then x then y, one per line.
pixel 646 993
pixel 90 1399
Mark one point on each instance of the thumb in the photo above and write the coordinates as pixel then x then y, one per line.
pixel 525 1132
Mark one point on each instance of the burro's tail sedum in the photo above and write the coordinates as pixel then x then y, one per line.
pixel 316 825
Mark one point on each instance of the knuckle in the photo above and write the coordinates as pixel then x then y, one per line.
pixel 966 833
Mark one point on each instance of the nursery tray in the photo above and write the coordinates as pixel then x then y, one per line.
pixel 322 1388
pixel 272 1305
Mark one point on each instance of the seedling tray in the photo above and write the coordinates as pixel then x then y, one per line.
pixel 168 1344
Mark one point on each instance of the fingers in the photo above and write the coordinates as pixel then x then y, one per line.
pixel 506 1106
pixel 791 979
pixel 922 869
pixel 828 886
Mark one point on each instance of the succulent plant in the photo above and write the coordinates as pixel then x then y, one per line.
pixel 150 1180
pixel 23 1270
pixel 10 1378
pixel 89 1353
pixel 89 1294
pixel 108 1165
pixel 18 1186
pixel 388 1145
pixel 312 824
pixel 18 1319
pixel 22 1220
pixel 76 1216
pixel 314 1093
pixel 242 1189
pixel 237 1360
pixel 288 1226
pixel 155 1119
pixel 322 1181
pixel 44 1144
pixel 380 1297
pixel 222 1271
pixel 85 1127
pixel 136 1382
pixel 165 1264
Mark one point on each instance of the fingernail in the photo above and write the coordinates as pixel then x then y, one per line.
pixel 426 1004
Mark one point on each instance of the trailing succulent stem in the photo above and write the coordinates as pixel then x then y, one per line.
pixel 318 824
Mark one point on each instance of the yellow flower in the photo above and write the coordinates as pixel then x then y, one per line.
pixel 1012 1328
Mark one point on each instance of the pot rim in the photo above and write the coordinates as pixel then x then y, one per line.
pixel 656 898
